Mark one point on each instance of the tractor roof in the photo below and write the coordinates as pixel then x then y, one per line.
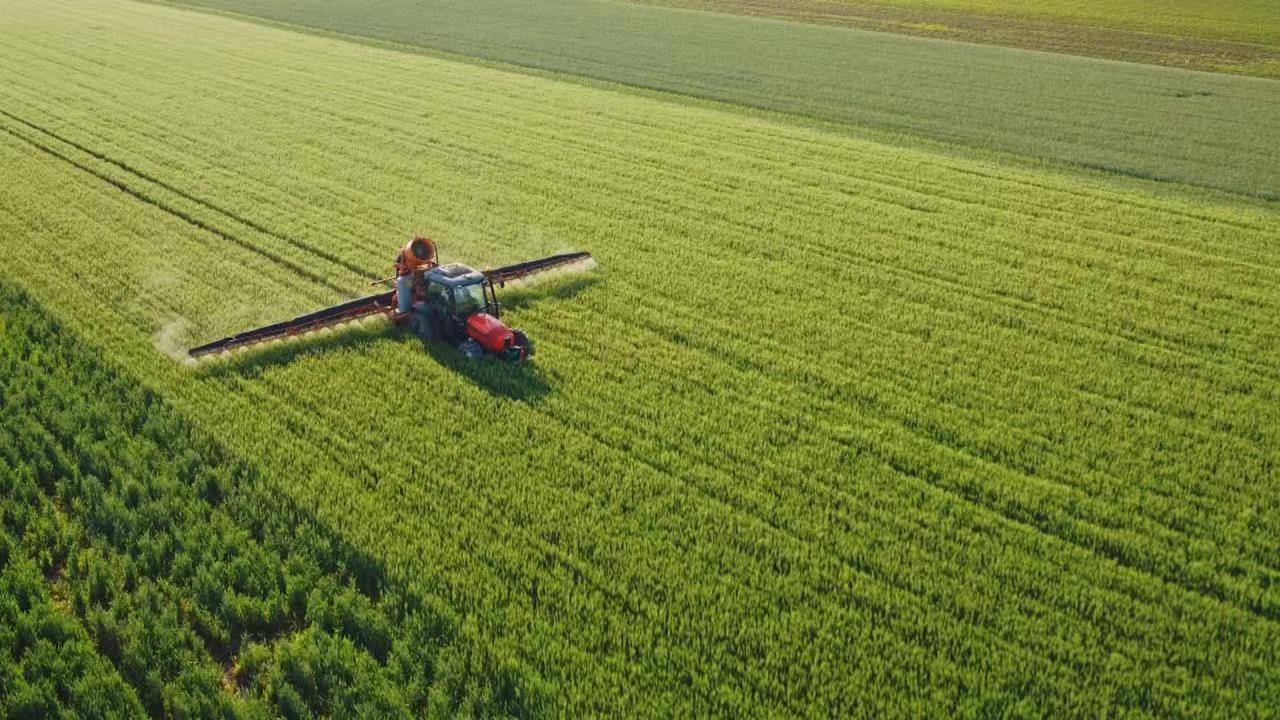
pixel 454 274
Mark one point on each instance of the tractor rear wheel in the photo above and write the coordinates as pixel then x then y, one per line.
pixel 471 349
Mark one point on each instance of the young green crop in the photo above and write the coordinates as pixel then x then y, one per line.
pixel 1210 130
pixel 835 428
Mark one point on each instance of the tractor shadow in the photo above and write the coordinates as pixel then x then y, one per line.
pixel 522 382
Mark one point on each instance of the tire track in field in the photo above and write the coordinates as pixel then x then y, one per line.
pixel 589 571
pixel 1198 588
pixel 182 215
pixel 997 299
pixel 584 573
pixel 1099 544
pixel 1217 595
pixel 1020 524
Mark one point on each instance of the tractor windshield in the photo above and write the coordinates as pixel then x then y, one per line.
pixel 469 299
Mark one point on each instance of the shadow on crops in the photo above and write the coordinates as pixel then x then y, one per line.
pixel 518 297
pixel 250 363
pixel 524 381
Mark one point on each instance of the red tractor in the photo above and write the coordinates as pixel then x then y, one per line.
pixel 451 303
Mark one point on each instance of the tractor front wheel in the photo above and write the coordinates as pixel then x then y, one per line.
pixel 422 326
pixel 471 349
pixel 523 341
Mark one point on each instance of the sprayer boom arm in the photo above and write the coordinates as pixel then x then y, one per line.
pixel 499 276
pixel 416 260
pixel 371 305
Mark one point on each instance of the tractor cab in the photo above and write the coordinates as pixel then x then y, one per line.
pixel 458 304
pixel 458 292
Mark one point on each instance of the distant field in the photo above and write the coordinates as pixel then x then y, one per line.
pixel 837 427
pixel 1217 131
pixel 1251 21
pixel 1238 36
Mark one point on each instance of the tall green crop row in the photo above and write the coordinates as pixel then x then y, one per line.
pixel 835 427
pixel 143 572
pixel 49 664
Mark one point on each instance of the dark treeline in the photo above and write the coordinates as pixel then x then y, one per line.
pixel 143 571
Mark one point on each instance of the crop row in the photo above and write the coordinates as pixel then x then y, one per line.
pixel 835 425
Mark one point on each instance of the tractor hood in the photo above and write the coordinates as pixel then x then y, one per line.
pixel 489 332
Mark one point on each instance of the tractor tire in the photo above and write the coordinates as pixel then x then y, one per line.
pixel 471 350
pixel 523 341
pixel 423 326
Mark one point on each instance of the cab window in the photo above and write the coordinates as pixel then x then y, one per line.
pixel 438 295
pixel 468 299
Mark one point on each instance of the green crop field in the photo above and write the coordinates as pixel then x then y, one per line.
pixel 1236 36
pixel 143 570
pixel 1211 130
pixel 1247 21
pixel 844 423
